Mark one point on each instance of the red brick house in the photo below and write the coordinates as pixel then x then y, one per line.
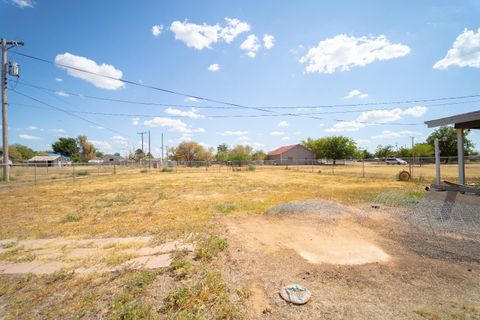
pixel 292 154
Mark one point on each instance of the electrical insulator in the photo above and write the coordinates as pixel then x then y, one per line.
pixel 13 69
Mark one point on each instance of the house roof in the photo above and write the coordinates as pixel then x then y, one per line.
pixel 282 150
pixel 470 120
pixel 44 158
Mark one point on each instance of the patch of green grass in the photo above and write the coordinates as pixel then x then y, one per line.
pixel 225 207
pixel 82 173
pixel 143 279
pixel 132 310
pixel 70 218
pixel 251 167
pixel 191 301
pixel 161 196
pixel 211 247
pixel 181 268
pixel 167 169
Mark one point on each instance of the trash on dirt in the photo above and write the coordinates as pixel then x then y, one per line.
pixel 375 206
pixel 295 294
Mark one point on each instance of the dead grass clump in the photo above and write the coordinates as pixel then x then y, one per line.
pixel 70 218
pixel 226 207
pixel 18 254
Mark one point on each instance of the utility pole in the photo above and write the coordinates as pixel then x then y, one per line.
pixel 142 133
pixel 5 162
pixel 149 153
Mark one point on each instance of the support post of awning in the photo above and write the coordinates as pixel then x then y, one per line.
pixel 461 159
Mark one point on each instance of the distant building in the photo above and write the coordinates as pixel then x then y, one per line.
pixel 292 154
pixel 113 159
pixel 50 160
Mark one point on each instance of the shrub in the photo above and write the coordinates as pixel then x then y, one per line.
pixel 82 173
pixel 143 171
pixel 211 247
pixel 70 218
pixel 251 167
pixel 167 169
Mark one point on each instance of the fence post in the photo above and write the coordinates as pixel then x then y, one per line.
pixel 333 167
pixel 114 169
pixel 35 174
pixel 73 171
pixel 363 168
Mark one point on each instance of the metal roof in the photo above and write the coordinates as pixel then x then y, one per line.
pixel 470 120
pixel 44 158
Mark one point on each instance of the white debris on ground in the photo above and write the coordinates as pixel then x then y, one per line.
pixel 46 256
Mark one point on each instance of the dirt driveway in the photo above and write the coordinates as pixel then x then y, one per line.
pixel 353 264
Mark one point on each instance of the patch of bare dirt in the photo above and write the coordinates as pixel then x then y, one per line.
pixel 352 263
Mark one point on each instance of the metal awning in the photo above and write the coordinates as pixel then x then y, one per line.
pixel 470 120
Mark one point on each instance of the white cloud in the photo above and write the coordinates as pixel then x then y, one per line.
pixel 24 3
pixel 192 114
pixel 175 125
pixel 256 145
pixel 205 145
pixel 62 94
pixel 86 64
pixel 32 128
pixel 28 137
pixel 101 145
pixel 416 111
pixel 277 133
pixel 355 93
pixel 157 30
pixel 268 41
pixel 283 124
pixel 251 45
pixel 343 52
pixel 233 133
pixel 214 67
pixel 396 134
pixel 346 126
pixel 203 36
pixel 120 140
pixel 243 138
pixel 380 116
pixel 135 121
pixel 191 99
pixel 233 29
pixel 465 51
pixel 285 138
pixel 57 130
pixel 321 125
pixel 185 138
pixel 58 79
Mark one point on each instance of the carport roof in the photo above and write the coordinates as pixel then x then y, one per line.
pixel 470 120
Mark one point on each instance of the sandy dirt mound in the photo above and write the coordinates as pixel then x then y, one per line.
pixel 340 241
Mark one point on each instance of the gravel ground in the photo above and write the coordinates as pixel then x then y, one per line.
pixel 324 208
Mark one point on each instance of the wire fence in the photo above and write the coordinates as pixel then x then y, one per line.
pixel 418 168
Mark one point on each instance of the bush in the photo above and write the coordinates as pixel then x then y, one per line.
pixel 251 167
pixel 211 248
pixel 82 173
pixel 70 218
pixel 167 169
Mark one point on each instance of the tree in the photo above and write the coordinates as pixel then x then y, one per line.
pixel 138 155
pixel 188 151
pixel 384 151
pixel 259 155
pixel 240 153
pixel 423 150
pixel 404 152
pixel 99 154
pixel 335 147
pixel 447 140
pixel 66 147
pixel 87 150
pixel 19 153
pixel 222 152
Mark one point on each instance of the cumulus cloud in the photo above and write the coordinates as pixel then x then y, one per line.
pixel 283 124
pixel 396 134
pixel 251 45
pixel 135 121
pixel 343 52
pixel 28 137
pixel 201 36
pixel 268 41
pixel 58 79
pixel 191 99
pixel 86 64
pixel 243 138
pixel 233 133
pixel 174 125
pixel 465 51
pixel 157 30
pixel 101 145
pixel 120 140
pixel 57 130
pixel 62 94
pixel 192 114
pixel 277 133
pixel 24 3
pixel 374 117
pixel 355 93
pixel 32 128
pixel 416 111
pixel 214 67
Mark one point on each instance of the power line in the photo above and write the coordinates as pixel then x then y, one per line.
pixel 264 107
pixel 71 113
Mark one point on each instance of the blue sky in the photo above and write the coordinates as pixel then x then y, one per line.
pixel 253 53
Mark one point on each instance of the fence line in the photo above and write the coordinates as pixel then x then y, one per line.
pixel 421 168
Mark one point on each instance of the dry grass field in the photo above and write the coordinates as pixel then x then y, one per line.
pixel 236 269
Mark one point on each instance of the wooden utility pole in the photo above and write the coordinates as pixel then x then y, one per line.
pixel 5 162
